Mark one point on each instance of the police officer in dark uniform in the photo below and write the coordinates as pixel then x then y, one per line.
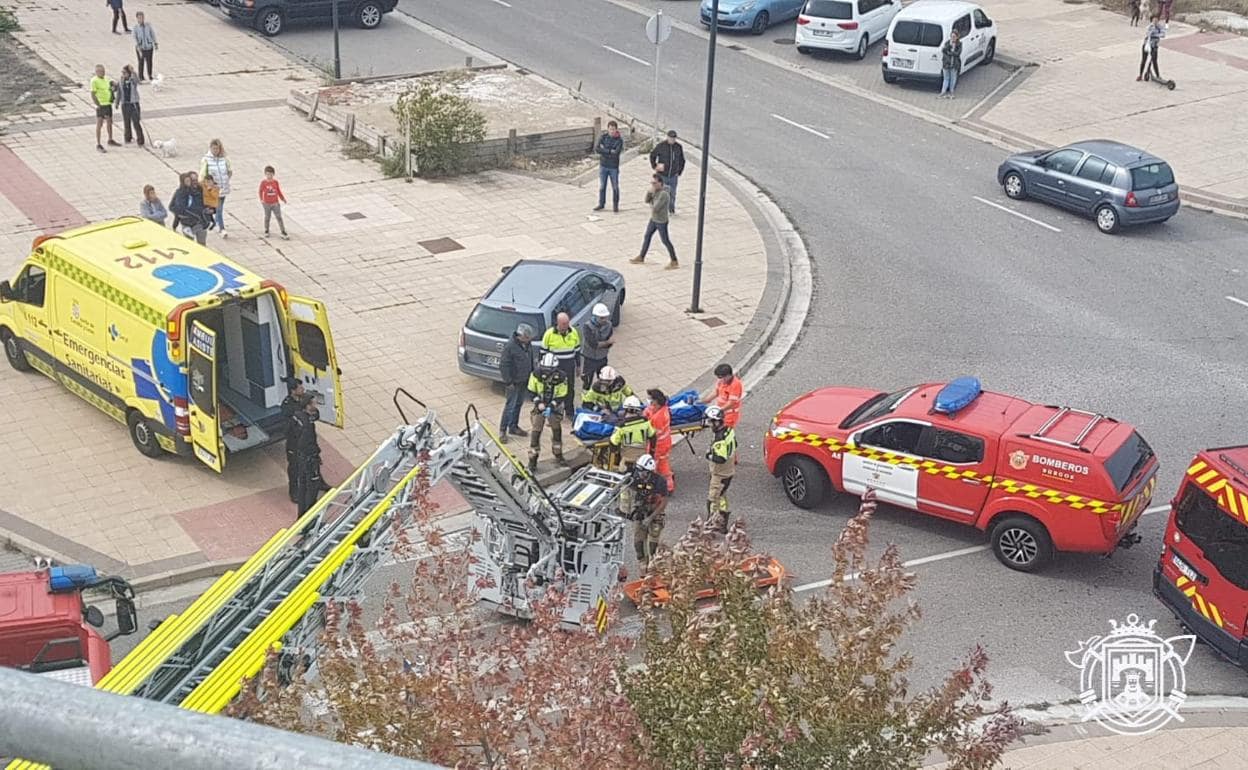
pixel 292 410
pixel 310 483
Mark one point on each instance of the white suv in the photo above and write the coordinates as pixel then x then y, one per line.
pixel 848 26
pixel 912 50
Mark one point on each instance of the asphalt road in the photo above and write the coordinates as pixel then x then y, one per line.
pixel 919 277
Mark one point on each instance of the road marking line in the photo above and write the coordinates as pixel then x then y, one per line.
pixel 1237 300
pixel 1008 210
pixel 642 62
pixel 795 124
pixel 940 557
pixel 502 3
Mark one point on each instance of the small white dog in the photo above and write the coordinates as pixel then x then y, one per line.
pixel 158 81
pixel 168 147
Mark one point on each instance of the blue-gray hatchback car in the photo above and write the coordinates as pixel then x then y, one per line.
pixel 1116 184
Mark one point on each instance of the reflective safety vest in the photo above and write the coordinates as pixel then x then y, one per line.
pixel 552 387
pixel 564 346
pixel 637 432
pixel 723 447
pixel 612 399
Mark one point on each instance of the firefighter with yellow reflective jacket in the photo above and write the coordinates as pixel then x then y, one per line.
pixel 649 492
pixel 607 393
pixel 722 457
pixel 634 436
pixel 548 389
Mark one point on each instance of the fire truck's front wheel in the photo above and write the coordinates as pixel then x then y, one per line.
pixel 805 483
pixel 1021 543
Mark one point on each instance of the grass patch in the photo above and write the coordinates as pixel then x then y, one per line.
pixel 8 22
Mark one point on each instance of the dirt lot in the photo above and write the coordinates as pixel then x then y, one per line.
pixel 508 99
pixel 28 82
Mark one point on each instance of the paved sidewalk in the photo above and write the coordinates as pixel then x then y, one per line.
pixel 71 483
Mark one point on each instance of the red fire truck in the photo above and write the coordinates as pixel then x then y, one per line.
pixel 47 628
pixel 1202 575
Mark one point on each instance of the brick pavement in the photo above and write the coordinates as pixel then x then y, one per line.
pixel 72 483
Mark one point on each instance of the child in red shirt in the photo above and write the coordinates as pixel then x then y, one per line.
pixel 271 199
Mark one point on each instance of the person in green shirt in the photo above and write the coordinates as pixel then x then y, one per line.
pixel 102 98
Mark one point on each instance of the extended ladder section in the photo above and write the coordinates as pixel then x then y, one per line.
pixel 1051 424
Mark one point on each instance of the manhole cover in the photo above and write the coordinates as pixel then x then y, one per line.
pixel 712 322
pixel 440 245
pixel 783 41
pixel 354 215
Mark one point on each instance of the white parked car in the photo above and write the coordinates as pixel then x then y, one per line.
pixel 848 26
pixel 912 50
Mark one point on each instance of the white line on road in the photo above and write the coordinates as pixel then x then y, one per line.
pixel 1008 210
pixel 642 62
pixel 940 557
pixel 503 3
pixel 795 124
pixel 1237 300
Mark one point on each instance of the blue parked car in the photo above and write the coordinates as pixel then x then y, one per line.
pixel 754 15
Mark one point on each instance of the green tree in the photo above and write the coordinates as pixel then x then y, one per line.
pixel 759 683
pixel 442 126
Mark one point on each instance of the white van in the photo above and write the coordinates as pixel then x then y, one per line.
pixel 846 26
pixel 912 50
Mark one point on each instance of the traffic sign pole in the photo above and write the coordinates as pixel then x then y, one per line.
pixel 658 30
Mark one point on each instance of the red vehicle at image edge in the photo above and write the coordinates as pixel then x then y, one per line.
pixel 1202 574
pixel 1038 479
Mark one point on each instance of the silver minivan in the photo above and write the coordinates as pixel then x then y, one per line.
pixel 533 292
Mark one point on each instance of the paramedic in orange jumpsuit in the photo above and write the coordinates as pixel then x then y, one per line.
pixel 660 417
pixel 727 396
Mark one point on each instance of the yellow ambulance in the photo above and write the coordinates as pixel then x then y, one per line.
pixel 186 348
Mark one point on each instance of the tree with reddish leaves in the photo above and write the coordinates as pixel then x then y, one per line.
pixel 756 682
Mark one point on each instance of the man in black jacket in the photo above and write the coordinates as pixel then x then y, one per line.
pixel 515 364
pixel 668 161
pixel 609 147
pixel 310 484
pixel 292 410
pixel 187 206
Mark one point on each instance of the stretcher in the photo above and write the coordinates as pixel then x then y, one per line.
pixel 765 570
pixel 607 457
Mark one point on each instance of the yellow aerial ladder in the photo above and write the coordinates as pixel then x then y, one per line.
pixel 526 540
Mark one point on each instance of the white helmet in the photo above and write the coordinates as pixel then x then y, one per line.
pixel 633 403
pixel 548 361
pixel 646 463
pixel 601 311
pixel 607 373
pixel 714 413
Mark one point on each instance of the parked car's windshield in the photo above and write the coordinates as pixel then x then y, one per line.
pixel 918 33
pixel 1152 175
pixel 1222 538
pixel 829 9
pixel 502 323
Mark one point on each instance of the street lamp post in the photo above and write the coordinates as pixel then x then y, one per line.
pixel 338 59
pixel 695 304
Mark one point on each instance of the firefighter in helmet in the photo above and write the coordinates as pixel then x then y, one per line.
pixel 548 389
pixel 722 459
pixel 607 393
pixel 648 499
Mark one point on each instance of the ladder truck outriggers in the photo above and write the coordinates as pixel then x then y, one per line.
pixel 526 539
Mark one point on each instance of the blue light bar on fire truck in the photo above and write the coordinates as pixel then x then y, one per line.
pixel 957 395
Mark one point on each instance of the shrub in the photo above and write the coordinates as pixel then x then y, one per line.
pixel 442 126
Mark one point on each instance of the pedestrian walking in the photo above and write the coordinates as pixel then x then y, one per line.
pixel 145 44
pixel 296 418
pixel 215 163
pixel 212 200
pixel 271 198
pixel 151 207
pixel 119 13
pixel 102 92
pixel 668 161
pixel 187 206
pixel 660 417
pixel 1152 41
pixel 310 484
pixel 565 343
pixel 1135 8
pixel 722 458
pixel 728 393
pixel 647 507
pixel 548 389
pixel 659 201
pixel 596 343
pixel 128 92
pixel 515 364
pixel 950 64
pixel 1163 10
pixel 610 146
pixel 634 436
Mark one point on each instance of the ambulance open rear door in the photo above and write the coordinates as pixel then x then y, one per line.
pixel 312 353
pixel 205 423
